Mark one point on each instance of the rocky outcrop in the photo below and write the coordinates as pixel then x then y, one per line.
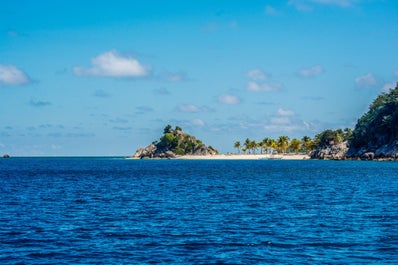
pixel 331 151
pixel 174 143
pixel 384 152
pixel 6 156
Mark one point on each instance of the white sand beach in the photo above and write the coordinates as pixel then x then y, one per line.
pixel 246 157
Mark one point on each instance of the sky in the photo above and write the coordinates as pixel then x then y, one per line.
pixel 84 79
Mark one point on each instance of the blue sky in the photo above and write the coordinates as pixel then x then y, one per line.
pixel 105 79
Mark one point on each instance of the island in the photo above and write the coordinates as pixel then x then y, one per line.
pixel 175 143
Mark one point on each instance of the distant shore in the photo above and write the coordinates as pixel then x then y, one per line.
pixel 246 157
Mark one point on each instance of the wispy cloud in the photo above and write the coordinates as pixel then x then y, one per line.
pixel 307 5
pixel 257 75
pixel 311 71
pixel 39 103
pixel 13 76
pixel 188 108
pixel 365 81
pixel 229 99
pixel 256 86
pixel 282 112
pixel 112 64
pixel 198 122
pixel 258 81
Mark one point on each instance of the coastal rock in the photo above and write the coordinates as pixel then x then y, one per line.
pixel 371 152
pixel 368 156
pixel 331 151
pixel 6 156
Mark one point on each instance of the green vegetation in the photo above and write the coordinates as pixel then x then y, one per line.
pixel 332 137
pixel 281 145
pixel 178 142
pixel 379 125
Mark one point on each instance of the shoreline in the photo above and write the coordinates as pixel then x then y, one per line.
pixel 246 157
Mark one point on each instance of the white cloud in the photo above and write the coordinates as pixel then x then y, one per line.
pixel 311 71
pixel 189 108
pixel 112 64
pixel 365 81
pixel 264 86
pixel 11 75
pixel 258 81
pixel 256 74
pixel 283 112
pixel 198 122
pixel 228 99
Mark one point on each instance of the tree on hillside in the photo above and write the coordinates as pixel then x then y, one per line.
pixel 167 129
pixel 347 133
pixel 379 125
pixel 329 137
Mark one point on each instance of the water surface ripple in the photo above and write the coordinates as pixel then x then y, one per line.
pixel 115 211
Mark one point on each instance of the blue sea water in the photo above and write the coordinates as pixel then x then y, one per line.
pixel 116 211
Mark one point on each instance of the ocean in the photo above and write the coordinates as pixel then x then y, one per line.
pixel 117 211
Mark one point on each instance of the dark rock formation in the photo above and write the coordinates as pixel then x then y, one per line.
pixel 175 143
pixel 6 156
pixel 331 151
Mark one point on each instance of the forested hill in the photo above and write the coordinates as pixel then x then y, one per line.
pixel 376 132
pixel 175 142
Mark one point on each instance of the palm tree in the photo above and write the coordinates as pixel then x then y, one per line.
pixel 283 143
pixel 295 145
pixel 247 144
pixel 268 143
pixel 254 146
pixel 307 143
pixel 237 145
